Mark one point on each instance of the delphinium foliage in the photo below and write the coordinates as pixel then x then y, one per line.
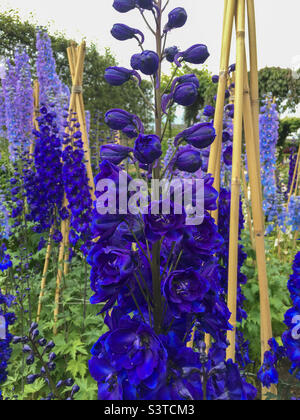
pixel 155 274
pixel 40 356
pixel 270 371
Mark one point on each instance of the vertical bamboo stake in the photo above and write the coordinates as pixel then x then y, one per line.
pixel 64 228
pixel 214 167
pixel 249 211
pixel 294 178
pixel 254 85
pixel 36 112
pixel 258 220
pixel 216 148
pixel 76 56
pixel 236 177
pixel 44 276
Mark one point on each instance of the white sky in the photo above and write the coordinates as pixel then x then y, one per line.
pixel 278 26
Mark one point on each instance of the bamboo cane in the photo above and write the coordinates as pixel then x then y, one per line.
pixel 44 276
pixel 254 84
pixel 249 211
pixel 258 220
pixel 294 178
pixel 76 56
pixel 36 104
pixel 236 177
pixel 59 278
pixel 216 149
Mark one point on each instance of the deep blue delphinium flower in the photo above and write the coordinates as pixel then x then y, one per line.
pixel 6 320
pixel 227 156
pixel 268 374
pixel 112 269
pixel 130 356
pixel 5 260
pixel 44 186
pixel 291 338
pixel 184 291
pixel 168 225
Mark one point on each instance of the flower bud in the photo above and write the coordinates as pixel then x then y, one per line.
pixel 188 159
pixel 200 135
pixel 171 53
pixel 124 6
pixel 177 19
pixel 148 62
pixel 186 94
pixel 130 131
pixel 145 4
pixel 197 54
pixel 147 149
pixel 118 119
pixel 215 79
pixel 114 153
pixel 117 76
pixel 135 61
pixel 123 32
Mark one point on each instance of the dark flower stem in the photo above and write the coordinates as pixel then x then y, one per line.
pixel 156 281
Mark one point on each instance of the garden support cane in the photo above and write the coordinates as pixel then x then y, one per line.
pixel 258 221
pixel 216 149
pixel 76 56
pixel 44 276
pixel 236 177
pixel 215 154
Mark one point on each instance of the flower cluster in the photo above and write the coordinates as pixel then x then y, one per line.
pixel 268 373
pixel 157 276
pixel 291 338
pixel 18 94
pixel 76 185
pixel 6 319
pixel 293 216
pixel 4 218
pixel 52 90
pixel 269 125
pixel 43 185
